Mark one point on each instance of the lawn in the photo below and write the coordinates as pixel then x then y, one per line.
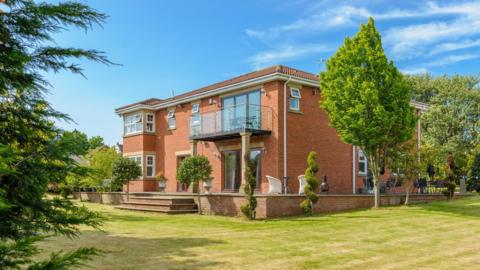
pixel 442 235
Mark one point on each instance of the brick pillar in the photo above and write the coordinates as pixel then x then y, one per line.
pixel 245 149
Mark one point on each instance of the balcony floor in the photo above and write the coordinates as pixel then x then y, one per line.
pixel 230 134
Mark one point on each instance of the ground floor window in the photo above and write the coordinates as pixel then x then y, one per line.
pixel 150 166
pixel 362 163
pixel 232 165
pixel 181 187
pixel 138 160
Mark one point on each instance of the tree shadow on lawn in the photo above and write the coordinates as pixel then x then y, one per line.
pixel 465 207
pixel 328 216
pixel 128 252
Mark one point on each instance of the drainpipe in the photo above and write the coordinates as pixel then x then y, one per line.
pixel 285 135
pixel 354 171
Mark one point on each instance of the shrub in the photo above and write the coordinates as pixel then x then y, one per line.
pixel 312 183
pixel 248 209
pixel 474 175
pixel 65 190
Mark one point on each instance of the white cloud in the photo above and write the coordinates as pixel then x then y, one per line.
pixel 454 46
pixel 451 59
pixel 413 71
pixel 289 52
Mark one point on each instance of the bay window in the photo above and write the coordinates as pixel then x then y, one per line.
pixel 150 122
pixel 133 124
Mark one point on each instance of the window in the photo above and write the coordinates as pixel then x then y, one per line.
pixel 195 108
pixel 295 99
pixel 171 119
pixel 133 124
pixel 150 165
pixel 195 114
pixel 150 122
pixel 138 160
pixel 362 163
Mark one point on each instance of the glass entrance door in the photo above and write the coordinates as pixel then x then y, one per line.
pixel 232 170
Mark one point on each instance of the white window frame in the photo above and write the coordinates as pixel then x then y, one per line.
pixel 150 122
pixel 128 124
pixel 362 159
pixel 135 157
pixel 295 95
pixel 150 165
pixel 195 108
pixel 171 115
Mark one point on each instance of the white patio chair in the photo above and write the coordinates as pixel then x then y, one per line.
pixel 274 185
pixel 302 183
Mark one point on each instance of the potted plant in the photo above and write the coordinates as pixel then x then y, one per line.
pixel 161 181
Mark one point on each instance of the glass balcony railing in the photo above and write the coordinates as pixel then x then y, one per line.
pixel 232 119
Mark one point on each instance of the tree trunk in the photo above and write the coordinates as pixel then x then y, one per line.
pixel 199 202
pixel 407 194
pixel 128 190
pixel 376 191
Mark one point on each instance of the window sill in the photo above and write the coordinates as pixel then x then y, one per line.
pixel 139 133
pixel 170 129
pixel 295 111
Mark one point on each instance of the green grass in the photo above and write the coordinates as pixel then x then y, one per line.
pixel 442 235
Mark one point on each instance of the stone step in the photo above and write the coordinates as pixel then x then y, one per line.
pixel 164 206
pixel 170 212
pixel 160 200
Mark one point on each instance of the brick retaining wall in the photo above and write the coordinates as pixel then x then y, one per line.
pixel 271 206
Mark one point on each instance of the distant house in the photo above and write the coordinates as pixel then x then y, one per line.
pixel 273 113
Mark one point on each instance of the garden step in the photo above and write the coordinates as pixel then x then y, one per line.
pixel 189 211
pixel 160 199
pixel 167 206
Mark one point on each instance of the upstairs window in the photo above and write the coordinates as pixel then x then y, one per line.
pixel 295 97
pixel 171 119
pixel 133 124
pixel 150 166
pixel 362 163
pixel 150 122
pixel 195 114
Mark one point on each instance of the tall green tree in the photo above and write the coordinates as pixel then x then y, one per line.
pixel 193 170
pixel 95 142
pixel 451 124
pixel 34 150
pixel 100 162
pixel 367 99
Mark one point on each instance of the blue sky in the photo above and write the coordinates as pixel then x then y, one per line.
pixel 166 46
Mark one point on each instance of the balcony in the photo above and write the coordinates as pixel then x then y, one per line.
pixel 229 122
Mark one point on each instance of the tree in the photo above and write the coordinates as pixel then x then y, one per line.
pixel 367 99
pixel 34 151
pixel 248 209
pixel 312 183
pixel 474 175
pixel 100 162
pixel 405 162
pixel 193 170
pixel 95 142
pixel 124 170
pixel 450 126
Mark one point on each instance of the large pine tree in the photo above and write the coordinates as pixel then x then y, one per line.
pixel 367 99
pixel 33 152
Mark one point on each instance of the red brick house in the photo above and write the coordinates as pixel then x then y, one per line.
pixel 273 112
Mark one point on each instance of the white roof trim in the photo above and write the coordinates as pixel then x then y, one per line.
pixel 220 90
